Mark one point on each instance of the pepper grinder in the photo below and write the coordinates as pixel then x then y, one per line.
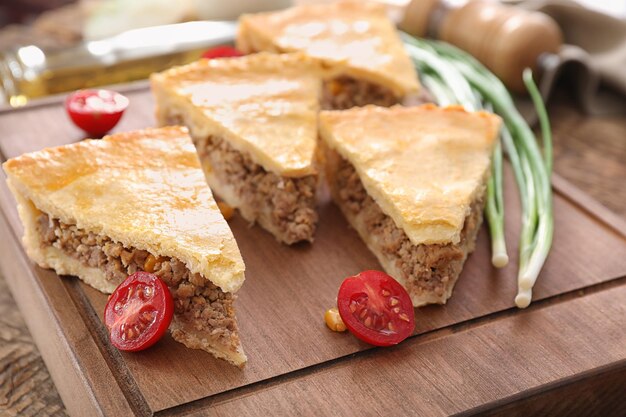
pixel 506 39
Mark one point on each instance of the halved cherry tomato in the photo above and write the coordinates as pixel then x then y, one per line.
pixel 95 111
pixel 222 51
pixel 376 308
pixel 138 312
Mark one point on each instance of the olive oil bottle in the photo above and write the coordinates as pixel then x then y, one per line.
pixel 28 72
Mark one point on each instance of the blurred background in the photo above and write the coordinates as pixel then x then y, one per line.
pixel 52 23
pixel 53 46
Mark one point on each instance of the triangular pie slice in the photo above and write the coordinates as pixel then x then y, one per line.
pixel 254 123
pixel 103 209
pixel 411 181
pixel 354 37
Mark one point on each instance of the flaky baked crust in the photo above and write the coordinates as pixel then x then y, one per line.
pixel 422 165
pixel 144 189
pixel 391 262
pixel 264 104
pixel 355 37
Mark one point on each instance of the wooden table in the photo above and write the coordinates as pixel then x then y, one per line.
pixel 590 152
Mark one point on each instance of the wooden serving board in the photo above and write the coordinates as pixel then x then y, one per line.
pixel 478 353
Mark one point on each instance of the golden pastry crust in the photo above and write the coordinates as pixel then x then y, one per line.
pixel 144 189
pixel 262 104
pixel 356 37
pixel 422 165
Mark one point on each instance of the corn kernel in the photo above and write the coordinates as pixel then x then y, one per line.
pixel 333 320
pixel 148 266
pixel 227 211
pixel 335 88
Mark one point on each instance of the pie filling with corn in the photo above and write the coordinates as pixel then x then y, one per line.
pixel 355 38
pixel 415 193
pixel 104 209
pixel 253 120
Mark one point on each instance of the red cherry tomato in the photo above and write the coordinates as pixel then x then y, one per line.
pixel 376 308
pixel 222 51
pixel 138 312
pixel 95 111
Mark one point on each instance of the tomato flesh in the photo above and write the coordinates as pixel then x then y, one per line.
pixel 222 51
pixel 138 312
pixel 95 111
pixel 376 308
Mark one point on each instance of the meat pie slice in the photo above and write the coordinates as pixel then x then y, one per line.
pixel 104 209
pixel 354 37
pixel 414 192
pixel 254 123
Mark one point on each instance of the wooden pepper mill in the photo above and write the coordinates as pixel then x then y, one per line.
pixel 505 39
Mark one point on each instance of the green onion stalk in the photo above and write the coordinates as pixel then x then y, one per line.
pixel 455 77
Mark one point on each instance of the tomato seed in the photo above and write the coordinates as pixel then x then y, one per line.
pixel 393 301
pixel 148 292
pixel 148 316
pixel 385 293
pixel 396 310
pixel 404 317
pixel 368 322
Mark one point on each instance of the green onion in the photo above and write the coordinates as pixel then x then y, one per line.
pixel 542 239
pixel 455 77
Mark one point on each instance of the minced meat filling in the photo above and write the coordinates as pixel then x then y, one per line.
pixel 428 268
pixel 196 299
pixel 345 92
pixel 289 202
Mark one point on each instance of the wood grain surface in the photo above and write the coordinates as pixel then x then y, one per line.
pixel 148 380
pixel 26 388
pixel 469 376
